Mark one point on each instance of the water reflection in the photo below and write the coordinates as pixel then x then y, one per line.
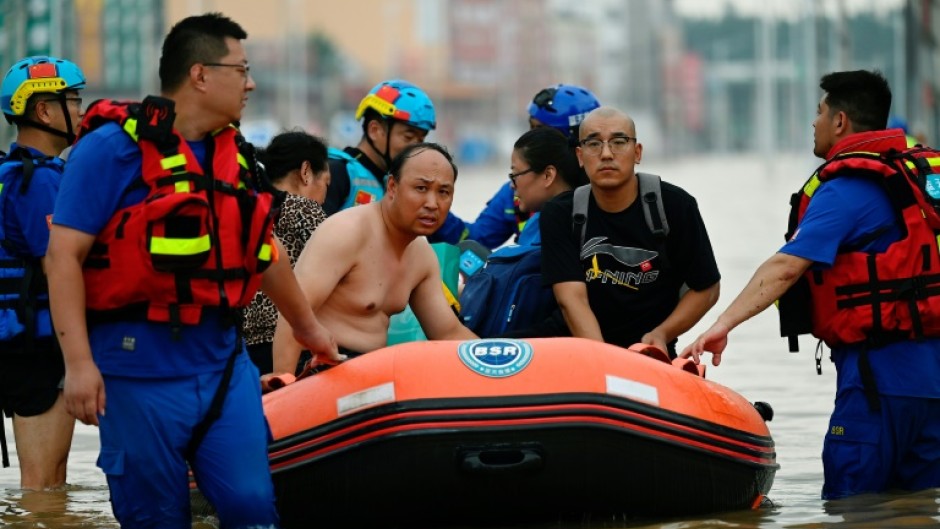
pixel 744 203
pixel 908 510
pixel 67 508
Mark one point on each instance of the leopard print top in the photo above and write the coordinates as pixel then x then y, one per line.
pixel 299 217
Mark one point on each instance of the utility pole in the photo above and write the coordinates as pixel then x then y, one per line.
pixel 898 82
pixel 766 115
pixel 297 63
pixel 811 62
pixel 844 44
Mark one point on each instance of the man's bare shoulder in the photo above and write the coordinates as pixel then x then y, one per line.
pixel 350 223
pixel 339 236
pixel 421 256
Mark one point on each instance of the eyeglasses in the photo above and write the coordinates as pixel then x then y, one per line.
pixel 617 145
pixel 244 69
pixel 70 99
pixel 513 176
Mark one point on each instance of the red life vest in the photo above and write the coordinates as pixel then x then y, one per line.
pixel 201 238
pixel 877 298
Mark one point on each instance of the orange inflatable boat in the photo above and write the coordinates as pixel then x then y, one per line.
pixel 497 430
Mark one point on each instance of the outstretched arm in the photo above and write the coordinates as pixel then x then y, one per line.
pixel 770 281
pixel 324 261
pixel 692 306
pixel 454 230
pixel 280 284
pixel 497 222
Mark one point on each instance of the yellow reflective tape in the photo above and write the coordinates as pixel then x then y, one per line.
pixel 182 187
pixel 130 127
pixel 168 246
pixel 933 161
pixel 242 161
pixel 812 185
pixel 264 254
pixel 177 160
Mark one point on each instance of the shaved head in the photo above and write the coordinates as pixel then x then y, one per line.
pixel 604 114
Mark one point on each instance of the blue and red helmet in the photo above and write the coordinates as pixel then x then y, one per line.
pixel 401 101
pixel 36 75
pixel 563 107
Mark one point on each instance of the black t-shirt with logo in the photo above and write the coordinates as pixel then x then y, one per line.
pixel 631 287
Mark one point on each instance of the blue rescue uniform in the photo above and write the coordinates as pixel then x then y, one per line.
pixel 30 370
pixel 354 180
pixel 899 446
pixel 496 224
pixel 160 385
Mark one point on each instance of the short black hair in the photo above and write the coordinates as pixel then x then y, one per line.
pixel 544 146
pixel 195 39
pixel 288 150
pixel 863 95
pixel 398 163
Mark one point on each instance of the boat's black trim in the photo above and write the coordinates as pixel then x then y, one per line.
pixel 372 422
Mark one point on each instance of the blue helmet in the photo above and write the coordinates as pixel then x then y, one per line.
pixel 563 107
pixel 36 75
pixel 401 101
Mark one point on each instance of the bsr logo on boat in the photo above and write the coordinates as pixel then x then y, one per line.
pixel 495 358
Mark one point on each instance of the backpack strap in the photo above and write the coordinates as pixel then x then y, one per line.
pixel 651 195
pixel 651 192
pixel 22 155
pixel 579 211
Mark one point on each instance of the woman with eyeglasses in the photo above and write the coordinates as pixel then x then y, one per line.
pixel 296 164
pixel 542 167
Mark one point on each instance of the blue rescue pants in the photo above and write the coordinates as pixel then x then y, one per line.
pixel 897 448
pixel 144 435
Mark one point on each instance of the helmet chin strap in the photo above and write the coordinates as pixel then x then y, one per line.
pixel 388 143
pixel 68 134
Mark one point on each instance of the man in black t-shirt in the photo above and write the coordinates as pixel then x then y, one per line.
pixel 617 286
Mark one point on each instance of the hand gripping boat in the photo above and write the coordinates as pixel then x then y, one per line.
pixel 494 430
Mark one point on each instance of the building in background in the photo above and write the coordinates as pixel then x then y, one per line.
pixel 725 82
pixel 115 42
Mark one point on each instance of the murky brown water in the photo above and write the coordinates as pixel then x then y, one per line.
pixel 744 202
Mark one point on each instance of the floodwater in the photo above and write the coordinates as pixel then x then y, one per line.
pixel 744 200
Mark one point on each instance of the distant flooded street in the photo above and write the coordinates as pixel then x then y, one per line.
pixel 744 201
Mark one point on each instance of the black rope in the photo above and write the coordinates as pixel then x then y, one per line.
pixel 4 451
pixel 218 400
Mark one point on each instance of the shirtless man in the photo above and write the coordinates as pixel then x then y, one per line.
pixel 364 264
